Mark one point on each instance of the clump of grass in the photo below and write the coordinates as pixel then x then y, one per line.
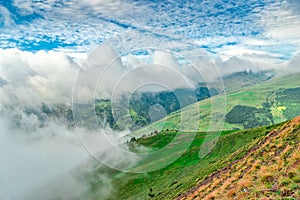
pixel 295 186
pixel 291 175
pixel 257 164
pixel 265 174
pixel 245 182
pixel 231 193
pixel 212 195
pixel 296 179
pixel 285 192
pixel 284 182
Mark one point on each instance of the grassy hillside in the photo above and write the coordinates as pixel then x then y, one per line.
pixel 178 177
pixel 270 169
pixel 271 102
pixel 248 164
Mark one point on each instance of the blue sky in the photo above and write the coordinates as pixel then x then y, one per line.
pixel 225 27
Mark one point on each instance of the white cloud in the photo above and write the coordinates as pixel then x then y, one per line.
pixel 33 78
pixel 33 163
pixel 28 162
pixel 6 17
pixel 281 22
pixel 113 7
pixel 294 64
pixel 242 57
pixel 234 64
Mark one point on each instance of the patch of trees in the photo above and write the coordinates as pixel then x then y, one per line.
pixel 250 117
pixel 104 112
pixel 290 98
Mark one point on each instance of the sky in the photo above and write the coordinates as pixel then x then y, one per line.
pixel 45 43
pixel 222 27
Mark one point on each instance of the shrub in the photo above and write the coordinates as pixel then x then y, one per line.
pixel 296 179
pixel 284 182
pixel 291 175
pixel 267 178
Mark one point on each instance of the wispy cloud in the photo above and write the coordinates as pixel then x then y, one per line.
pixel 281 21
pixel 259 31
pixel 212 24
pixel 5 17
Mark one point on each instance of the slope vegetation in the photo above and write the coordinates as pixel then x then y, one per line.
pixel 270 169
pixel 179 176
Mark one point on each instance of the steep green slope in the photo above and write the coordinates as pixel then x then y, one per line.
pixel 271 102
pixel 270 169
pixel 179 176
